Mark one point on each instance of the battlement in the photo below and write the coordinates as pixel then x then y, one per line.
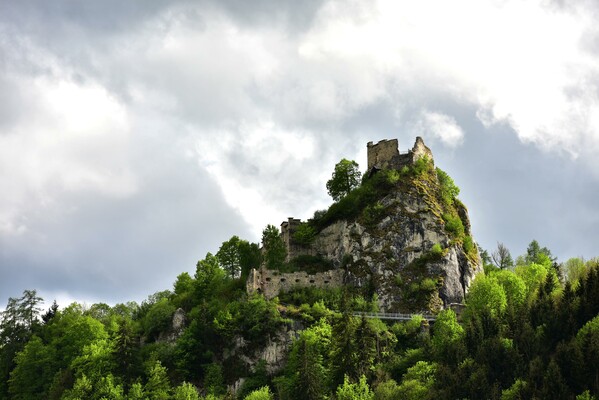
pixel 386 155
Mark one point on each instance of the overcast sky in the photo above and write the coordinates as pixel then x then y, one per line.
pixel 137 136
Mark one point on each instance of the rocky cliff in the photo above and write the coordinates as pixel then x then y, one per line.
pixel 396 257
pixel 403 235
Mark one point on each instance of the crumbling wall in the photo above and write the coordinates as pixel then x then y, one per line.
pixel 271 282
pixel 385 154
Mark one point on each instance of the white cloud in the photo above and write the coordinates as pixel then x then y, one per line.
pixel 440 126
pixel 520 63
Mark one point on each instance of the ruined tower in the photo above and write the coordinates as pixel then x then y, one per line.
pixel 386 155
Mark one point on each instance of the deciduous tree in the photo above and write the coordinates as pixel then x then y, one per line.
pixel 346 177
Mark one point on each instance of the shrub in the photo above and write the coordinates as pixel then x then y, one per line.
pixel 428 285
pixel 373 213
pixel 449 190
pixel 436 251
pixel 469 246
pixel 453 225
pixel 421 166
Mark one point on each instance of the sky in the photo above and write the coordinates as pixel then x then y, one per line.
pixel 137 136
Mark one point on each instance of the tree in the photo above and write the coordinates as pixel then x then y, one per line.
pixel 447 335
pixel 354 391
pixel 33 371
pixel 208 277
pixel 186 391
pixel 486 294
pixel 502 257
pixel 250 257
pixel 229 256
pixel 538 255
pixel 48 315
pixel 158 386
pixel 260 394
pixel 274 248
pixel 346 177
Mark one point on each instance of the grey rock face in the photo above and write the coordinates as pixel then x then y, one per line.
pixel 384 254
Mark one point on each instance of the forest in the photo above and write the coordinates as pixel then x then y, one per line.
pixel 529 329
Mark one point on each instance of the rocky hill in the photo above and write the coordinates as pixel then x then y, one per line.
pixel 402 234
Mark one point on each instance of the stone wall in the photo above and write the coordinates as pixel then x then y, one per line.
pixel 385 154
pixel 272 282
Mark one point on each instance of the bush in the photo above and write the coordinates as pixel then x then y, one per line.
pixel 469 246
pixel 373 213
pixel 449 190
pixel 352 205
pixel 453 225
pixel 428 285
pixel 421 166
pixel 436 251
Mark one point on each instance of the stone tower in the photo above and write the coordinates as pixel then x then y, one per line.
pixel 385 154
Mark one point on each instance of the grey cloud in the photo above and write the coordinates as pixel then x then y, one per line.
pixel 122 249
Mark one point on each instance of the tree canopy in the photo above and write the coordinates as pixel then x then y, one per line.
pixel 346 177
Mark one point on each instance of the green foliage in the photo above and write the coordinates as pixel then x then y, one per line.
pixel 486 294
pixel 158 386
pixel 274 248
pixel 260 394
pixel 469 246
pixel 533 275
pixel 330 297
pixel 33 372
pixel 354 391
pixel 346 177
pixel 229 256
pixel 422 166
pixel 453 225
pixel 387 390
pixel 575 269
pixel 538 255
pixel 214 381
pixel 449 190
pixel 447 335
pixel 516 391
pixel 436 251
pixel 418 382
pixel 373 213
pixel 186 391
pixel 351 206
pixel 513 286
pixel 158 319
pixel 209 277
pixel 304 234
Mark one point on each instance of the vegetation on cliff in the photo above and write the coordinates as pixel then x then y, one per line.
pixel 525 333
pixel 529 330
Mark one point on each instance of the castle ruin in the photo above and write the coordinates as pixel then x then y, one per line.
pixel 383 155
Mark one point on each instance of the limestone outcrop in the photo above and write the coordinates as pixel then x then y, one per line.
pixel 412 247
